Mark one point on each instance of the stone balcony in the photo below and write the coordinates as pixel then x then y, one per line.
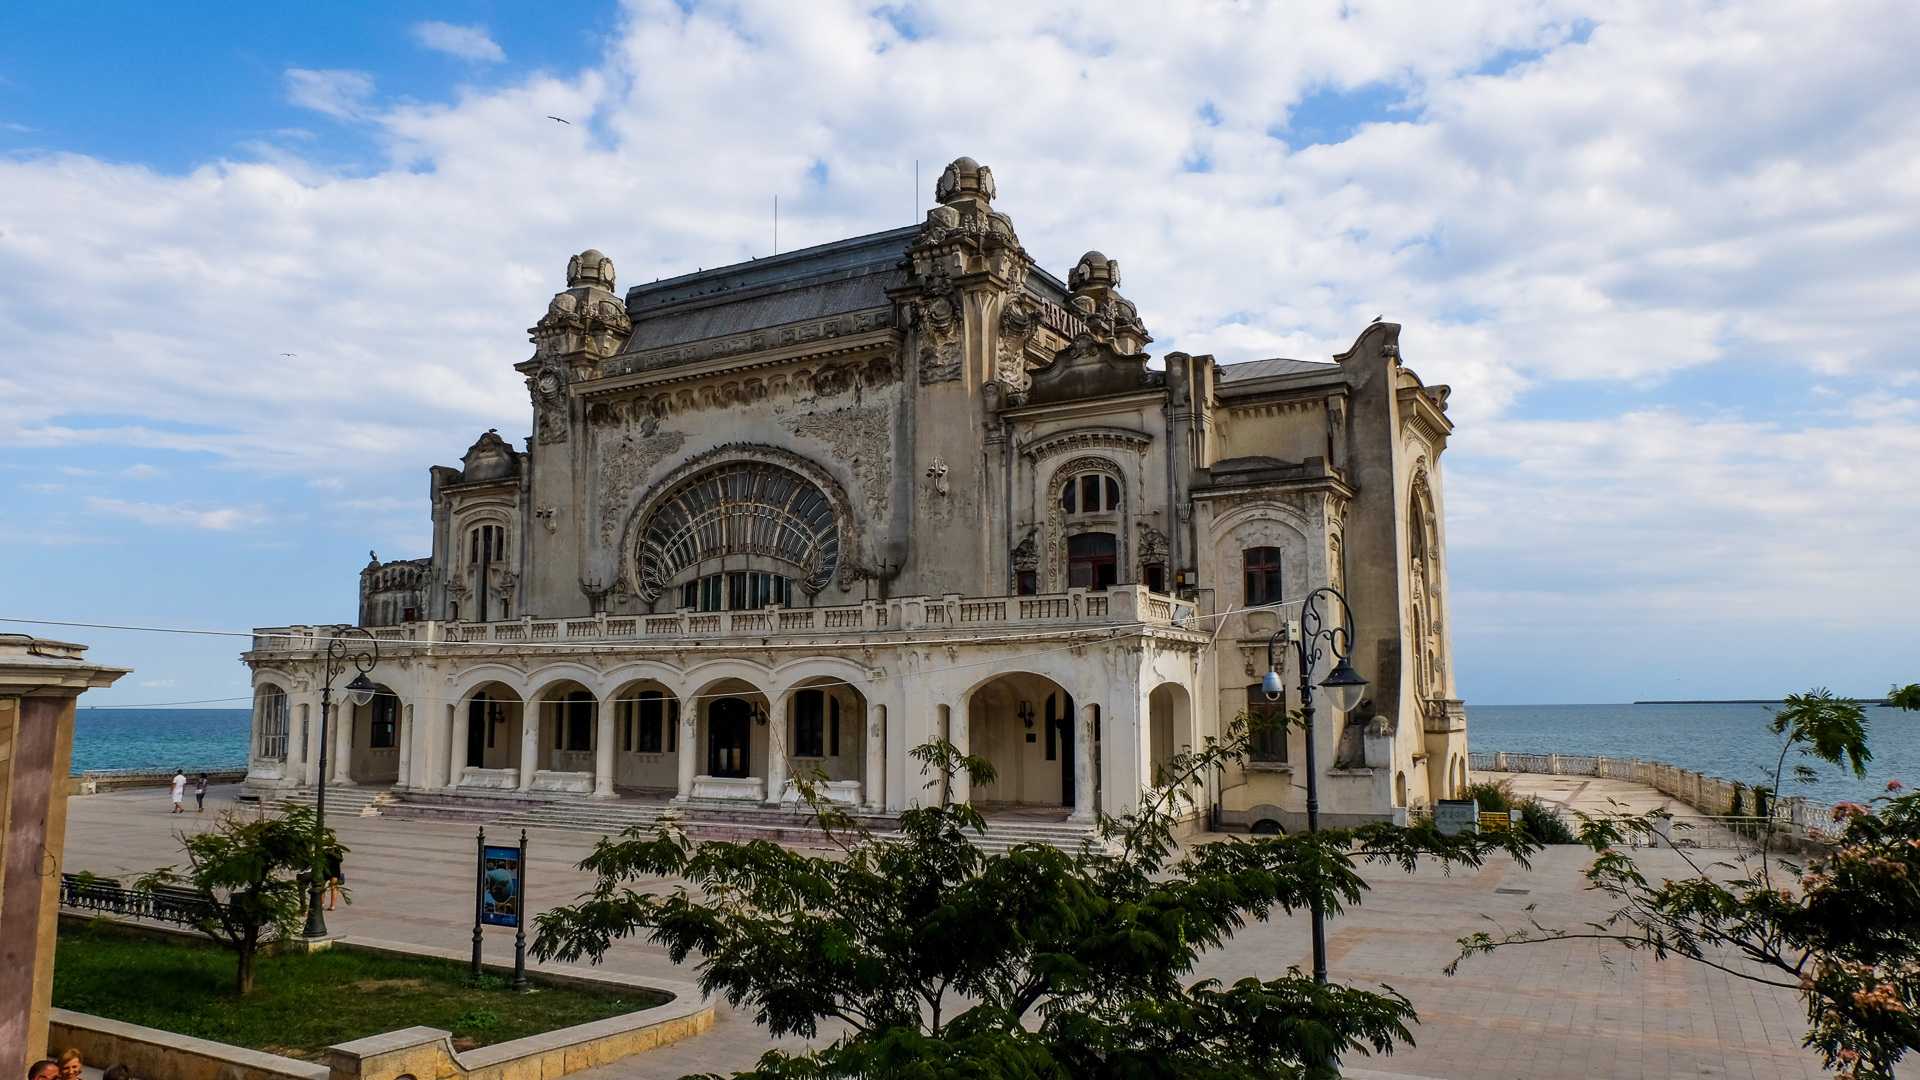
pixel 912 616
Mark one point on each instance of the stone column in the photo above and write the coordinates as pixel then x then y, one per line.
pixel 457 714
pixel 1083 751
pixel 876 780
pixel 958 732
pixel 603 751
pixel 779 716
pixel 689 753
pixel 340 756
pixel 404 738
pixel 529 743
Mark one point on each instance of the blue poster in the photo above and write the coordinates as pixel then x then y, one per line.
pixel 500 886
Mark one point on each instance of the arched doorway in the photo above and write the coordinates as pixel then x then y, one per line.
pixel 373 755
pixel 568 717
pixel 826 738
pixel 487 750
pixel 1170 729
pixel 646 731
pixel 1026 725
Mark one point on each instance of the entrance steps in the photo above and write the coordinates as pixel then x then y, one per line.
pixel 342 802
pixel 1003 835
pixel 609 818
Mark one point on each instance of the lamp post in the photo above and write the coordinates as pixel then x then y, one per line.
pixel 1343 685
pixel 360 691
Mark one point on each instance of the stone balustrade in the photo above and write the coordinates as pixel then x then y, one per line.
pixel 1708 794
pixel 1072 610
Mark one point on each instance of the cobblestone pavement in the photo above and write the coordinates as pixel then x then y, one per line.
pixel 1539 1012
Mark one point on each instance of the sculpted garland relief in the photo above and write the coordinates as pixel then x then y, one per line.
pixel 861 437
pixel 625 461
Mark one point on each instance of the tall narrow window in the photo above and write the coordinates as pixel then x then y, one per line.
pixel 1263 576
pixel 573 727
pixel 808 707
pixel 673 726
pixel 1028 582
pixel 384 728
pixel 833 727
pixel 273 722
pixel 652 715
pixel 1268 720
pixel 1091 562
pixel 1154 577
pixel 1090 493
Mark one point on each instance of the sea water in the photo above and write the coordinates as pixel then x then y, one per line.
pixel 1724 740
pixel 1727 740
pixel 160 739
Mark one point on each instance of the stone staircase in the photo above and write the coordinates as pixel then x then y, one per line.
pixel 341 801
pixel 1002 835
pixel 607 818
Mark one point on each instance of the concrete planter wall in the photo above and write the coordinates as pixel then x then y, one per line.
pixel 416 1053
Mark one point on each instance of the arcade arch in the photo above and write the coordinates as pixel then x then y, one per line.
pixel 373 739
pixel 646 726
pixel 1026 725
pixel 486 737
pixel 1170 728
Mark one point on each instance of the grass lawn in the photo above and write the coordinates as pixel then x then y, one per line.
pixel 303 1003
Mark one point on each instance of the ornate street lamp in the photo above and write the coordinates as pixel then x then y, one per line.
pixel 1343 685
pixel 360 691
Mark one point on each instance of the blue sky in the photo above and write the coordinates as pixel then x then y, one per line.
pixel 1663 253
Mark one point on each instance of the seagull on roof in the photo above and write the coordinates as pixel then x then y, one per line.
pixel 1376 318
pixel 569 123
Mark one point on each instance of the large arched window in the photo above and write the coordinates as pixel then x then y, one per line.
pixel 742 508
pixel 271 706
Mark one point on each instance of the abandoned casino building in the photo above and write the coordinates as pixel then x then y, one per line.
pixel 797 516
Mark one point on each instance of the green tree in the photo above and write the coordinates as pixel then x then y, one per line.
pixel 1842 930
pixel 942 961
pixel 252 874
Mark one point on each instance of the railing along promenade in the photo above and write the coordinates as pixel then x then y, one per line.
pixel 1713 796
pixel 1076 609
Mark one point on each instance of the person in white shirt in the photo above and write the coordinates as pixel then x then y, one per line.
pixel 179 791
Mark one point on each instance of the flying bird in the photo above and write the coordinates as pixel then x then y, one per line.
pixel 569 123
pixel 289 354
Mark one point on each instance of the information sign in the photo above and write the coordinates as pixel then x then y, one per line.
pixel 500 886
pixel 1455 816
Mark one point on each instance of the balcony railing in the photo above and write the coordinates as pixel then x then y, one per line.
pixel 1074 609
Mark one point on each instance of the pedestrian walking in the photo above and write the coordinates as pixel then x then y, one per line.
pixel 200 793
pixel 336 875
pixel 179 790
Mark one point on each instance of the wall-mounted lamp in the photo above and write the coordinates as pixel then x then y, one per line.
pixel 760 714
pixel 1025 713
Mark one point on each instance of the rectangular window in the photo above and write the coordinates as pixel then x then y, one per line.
pixel 652 713
pixel 1091 563
pixel 710 593
pixel 808 707
pixel 1263 576
pixel 1090 494
pixel 673 726
pixel 626 726
pixel 753 590
pixel 1052 723
pixel 1069 500
pixel 383 731
pixel 579 708
pixel 833 727
pixel 1154 576
pixel 1028 582
pixel 1268 723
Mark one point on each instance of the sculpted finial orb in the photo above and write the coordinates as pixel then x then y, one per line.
pixel 1093 271
pixel 964 179
pixel 590 268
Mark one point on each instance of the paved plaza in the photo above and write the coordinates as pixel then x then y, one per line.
pixel 1536 1012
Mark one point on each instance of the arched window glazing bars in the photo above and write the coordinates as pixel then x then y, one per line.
pixel 741 508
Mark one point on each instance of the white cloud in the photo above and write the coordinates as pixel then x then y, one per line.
pixel 336 93
pixel 1688 187
pixel 182 515
pixel 465 42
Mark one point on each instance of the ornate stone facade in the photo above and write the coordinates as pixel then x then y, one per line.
pixel 812 510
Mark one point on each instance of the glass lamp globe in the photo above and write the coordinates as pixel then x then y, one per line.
pixel 1343 686
pixel 361 689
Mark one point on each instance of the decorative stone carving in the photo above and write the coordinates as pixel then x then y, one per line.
pixel 1083 439
pixel 548 388
pixel 624 464
pixel 1018 322
pixel 544 515
pixel 937 472
pixel 1027 555
pixel 861 437
pixel 1153 545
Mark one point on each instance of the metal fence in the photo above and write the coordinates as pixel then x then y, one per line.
pixel 106 896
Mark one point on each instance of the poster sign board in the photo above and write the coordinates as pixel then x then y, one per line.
pixel 500 886
pixel 1455 816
